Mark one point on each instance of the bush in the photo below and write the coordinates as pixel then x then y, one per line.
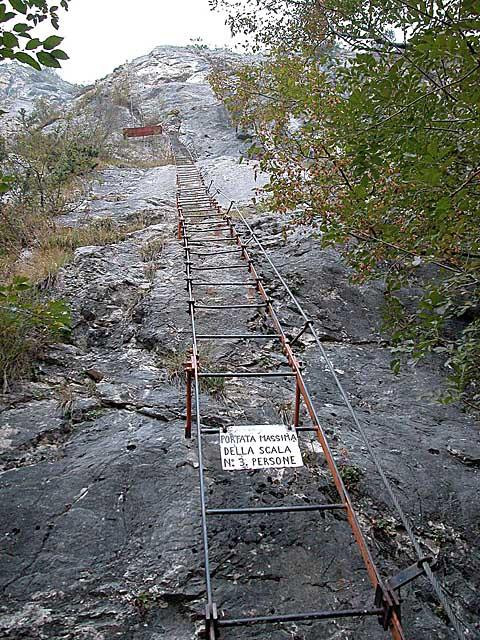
pixel 27 325
pixel 48 164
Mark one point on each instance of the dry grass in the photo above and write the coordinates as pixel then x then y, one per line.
pixel 44 264
pixel 174 362
pixel 56 247
pixel 153 249
pixel 149 271
pixel 247 211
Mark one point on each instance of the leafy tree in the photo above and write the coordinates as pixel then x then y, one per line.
pixel 46 161
pixel 18 19
pixel 18 42
pixel 51 158
pixel 367 117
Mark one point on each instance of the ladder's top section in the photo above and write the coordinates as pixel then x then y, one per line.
pixel 142 132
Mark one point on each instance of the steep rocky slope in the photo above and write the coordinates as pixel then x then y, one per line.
pixel 21 87
pixel 99 511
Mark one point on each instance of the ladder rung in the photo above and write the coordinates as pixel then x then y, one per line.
pixel 223 284
pixel 199 242
pixel 228 266
pixel 196 206
pixel 301 507
pixel 217 430
pixel 217 253
pixel 205 222
pixel 246 374
pixel 207 230
pixel 204 215
pixel 231 306
pixel 193 209
pixel 239 336
pixel 292 617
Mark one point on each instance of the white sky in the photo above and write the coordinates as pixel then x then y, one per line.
pixel 102 34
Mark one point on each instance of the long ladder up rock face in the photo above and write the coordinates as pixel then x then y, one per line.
pixel 226 292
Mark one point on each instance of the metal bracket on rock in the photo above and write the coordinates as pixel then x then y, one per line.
pixel 388 598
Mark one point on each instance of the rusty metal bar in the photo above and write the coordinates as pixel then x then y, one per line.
pixel 243 336
pixel 142 132
pixel 246 374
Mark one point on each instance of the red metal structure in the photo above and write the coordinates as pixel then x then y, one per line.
pixel 142 132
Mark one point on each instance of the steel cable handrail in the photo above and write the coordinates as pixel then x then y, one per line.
pixel 436 585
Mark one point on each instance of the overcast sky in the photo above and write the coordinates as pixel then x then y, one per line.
pixel 102 34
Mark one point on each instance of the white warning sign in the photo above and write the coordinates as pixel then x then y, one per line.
pixel 259 447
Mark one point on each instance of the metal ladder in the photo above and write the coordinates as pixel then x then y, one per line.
pixel 206 231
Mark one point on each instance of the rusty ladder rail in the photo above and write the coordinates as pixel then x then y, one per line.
pixel 195 207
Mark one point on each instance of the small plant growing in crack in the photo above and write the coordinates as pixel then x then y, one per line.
pixel 153 249
pixel 149 270
pixel 209 362
pixel 214 385
pixel 284 411
pixel 175 362
pixel 384 528
pixel 66 401
pixel 351 476
pixel 310 458
pixel 144 601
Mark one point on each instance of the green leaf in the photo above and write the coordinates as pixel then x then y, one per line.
pixel 6 53
pixel 47 59
pixel 24 58
pixel 5 183
pixel 59 54
pixel 33 44
pixel 395 366
pixel 22 27
pixel 19 6
pixel 52 42
pixel 443 205
pixel 5 17
pixel 10 40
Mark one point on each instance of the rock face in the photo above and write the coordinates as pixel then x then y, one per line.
pixel 22 86
pixel 171 83
pixel 99 516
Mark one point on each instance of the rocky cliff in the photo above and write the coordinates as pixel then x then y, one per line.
pixel 100 523
pixel 21 87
